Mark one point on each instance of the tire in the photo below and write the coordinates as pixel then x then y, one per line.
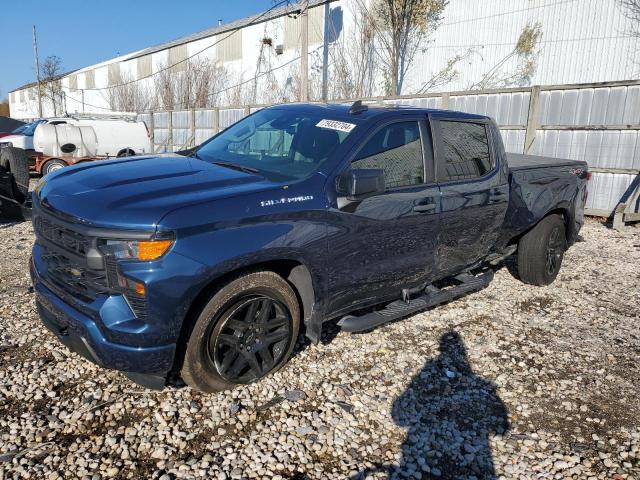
pixel 15 160
pixel 52 166
pixel 230 345
pixel 541 250
pixel 127 152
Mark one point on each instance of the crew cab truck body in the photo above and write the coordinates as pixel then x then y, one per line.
pixel 206 267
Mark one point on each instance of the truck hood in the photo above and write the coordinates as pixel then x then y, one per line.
pixel 137 192
pixel 20 141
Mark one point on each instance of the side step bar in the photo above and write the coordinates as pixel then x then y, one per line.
pixel 432 296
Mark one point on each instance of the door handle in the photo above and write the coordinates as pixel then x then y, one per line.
pixel 428 207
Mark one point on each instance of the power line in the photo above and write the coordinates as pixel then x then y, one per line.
pixel 562 2
pixel 255 21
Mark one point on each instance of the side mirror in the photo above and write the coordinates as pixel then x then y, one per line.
pixel 359 184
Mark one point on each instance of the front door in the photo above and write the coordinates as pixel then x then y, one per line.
pixel 385 243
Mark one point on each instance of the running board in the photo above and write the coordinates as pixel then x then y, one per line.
pixel 432 296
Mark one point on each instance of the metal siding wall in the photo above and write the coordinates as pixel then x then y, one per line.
pixel 161 131
pixel 582 41
pixel 204 125
pixel 181 128
pixel 229 116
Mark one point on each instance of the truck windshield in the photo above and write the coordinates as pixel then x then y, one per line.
pixel 27 129
pixel 287 144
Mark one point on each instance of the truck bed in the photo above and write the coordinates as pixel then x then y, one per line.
pixel 519 161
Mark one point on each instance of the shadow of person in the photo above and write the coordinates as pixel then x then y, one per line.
pixel 450 413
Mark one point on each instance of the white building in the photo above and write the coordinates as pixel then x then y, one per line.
pixel 582 41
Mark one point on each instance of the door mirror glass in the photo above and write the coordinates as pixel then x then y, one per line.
pixel 359 184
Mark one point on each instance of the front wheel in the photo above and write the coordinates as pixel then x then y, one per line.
pixel 246 331
pixel 541 250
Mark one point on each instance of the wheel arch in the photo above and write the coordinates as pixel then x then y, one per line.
pixel 564 210
pixel 296 273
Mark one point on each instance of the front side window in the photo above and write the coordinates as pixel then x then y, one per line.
pixel 465 151
pixel 396 149
pixel 279 143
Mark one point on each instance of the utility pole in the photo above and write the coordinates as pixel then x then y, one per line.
pixel 35 53
pixel 325 52
pixel 304 51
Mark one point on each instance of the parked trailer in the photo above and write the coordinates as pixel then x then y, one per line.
pixel 45 164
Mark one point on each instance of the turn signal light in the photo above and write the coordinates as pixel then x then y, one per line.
pixel 150 250
pixel 139 287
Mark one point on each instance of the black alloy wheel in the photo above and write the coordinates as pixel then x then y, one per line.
pixel 252 338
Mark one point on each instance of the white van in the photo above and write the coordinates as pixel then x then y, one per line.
pixel 92 137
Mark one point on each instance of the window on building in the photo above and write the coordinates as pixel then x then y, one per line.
pixel 396 149
pixel 293 24
pixel 229 46
pixel 89 79
pixel 144 66
pixel 465 151
pixel 73 83
pixel 22 96
pixel 32 93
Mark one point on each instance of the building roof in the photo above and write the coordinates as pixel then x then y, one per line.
pixel 287 9
pixel 33 84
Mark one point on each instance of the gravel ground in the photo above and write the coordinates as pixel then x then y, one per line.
pixel 511 382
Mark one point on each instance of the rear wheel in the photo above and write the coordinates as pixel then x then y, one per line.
pixel 52 166
pixel 246 331
pixel 15 160
pixel 541 250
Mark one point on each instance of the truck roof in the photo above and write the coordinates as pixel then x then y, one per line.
pixel 373 110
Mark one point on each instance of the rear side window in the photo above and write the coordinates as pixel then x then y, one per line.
pixel 396 149
pixel 464 151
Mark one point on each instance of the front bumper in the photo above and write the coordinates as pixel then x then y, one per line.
pixel 148 366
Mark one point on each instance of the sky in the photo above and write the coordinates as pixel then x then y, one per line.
pixel 84 32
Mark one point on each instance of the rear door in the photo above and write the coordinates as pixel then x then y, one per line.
pixel 385 243
pixel 475 192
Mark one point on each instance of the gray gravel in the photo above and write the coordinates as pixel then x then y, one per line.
pixel 512 382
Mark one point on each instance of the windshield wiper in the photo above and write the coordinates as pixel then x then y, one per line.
pixel 235 166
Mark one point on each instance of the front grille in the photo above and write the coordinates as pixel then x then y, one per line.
pixel 74 278
pixel 61 236
pixel 68 272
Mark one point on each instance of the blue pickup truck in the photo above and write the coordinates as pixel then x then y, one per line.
pixel 205 267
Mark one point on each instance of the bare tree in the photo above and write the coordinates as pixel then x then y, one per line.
pixel 198 85
pixel 401 29
pixel 446 74
pixel 631 10
pixel 525 54
pixel 130 96
pixel 51 88
pixel 4 108
pixel 353 58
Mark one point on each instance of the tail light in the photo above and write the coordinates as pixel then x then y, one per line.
pixel 589 175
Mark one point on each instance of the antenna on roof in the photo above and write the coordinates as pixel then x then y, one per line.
pixel 358 107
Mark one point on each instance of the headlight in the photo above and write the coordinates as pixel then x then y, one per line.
pixel 144 250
